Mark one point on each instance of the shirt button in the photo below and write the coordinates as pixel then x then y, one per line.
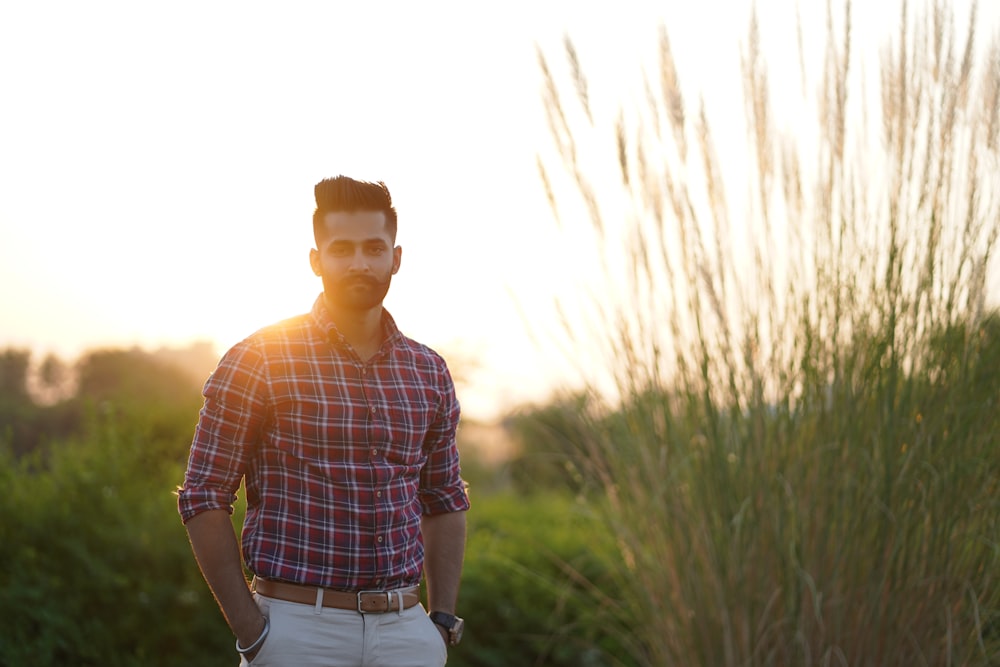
pixel 380 539
pixel 374 452
pixel 378 494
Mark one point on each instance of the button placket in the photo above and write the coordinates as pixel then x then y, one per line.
pixel 369 391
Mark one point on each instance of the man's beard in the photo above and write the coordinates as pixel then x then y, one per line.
pixel 357 293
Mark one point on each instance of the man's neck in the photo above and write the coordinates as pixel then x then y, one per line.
pixel 362 329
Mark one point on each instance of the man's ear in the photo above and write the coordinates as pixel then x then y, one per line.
pixel 314 261
pixel 397 256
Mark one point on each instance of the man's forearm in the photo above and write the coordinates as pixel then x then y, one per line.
pixel 444 551
pixel 218 554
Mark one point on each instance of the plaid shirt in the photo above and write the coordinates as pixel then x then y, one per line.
pixel 341 457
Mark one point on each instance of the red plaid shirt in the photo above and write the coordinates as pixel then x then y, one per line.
pixel 341 457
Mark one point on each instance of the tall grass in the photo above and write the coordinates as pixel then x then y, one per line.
pixel 801 461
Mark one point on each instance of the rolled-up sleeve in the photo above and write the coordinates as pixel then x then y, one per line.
pixel 442 489
pixel 228 430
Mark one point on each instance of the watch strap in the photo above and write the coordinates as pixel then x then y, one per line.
pixel 444 619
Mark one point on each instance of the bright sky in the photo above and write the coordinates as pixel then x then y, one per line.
pixel 157 160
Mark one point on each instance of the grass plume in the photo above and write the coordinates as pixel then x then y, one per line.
pixel 800 460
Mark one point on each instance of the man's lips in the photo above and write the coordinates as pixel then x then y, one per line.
pixel 360 282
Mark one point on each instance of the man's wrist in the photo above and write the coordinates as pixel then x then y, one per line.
pixel 254 646
pixel 451 624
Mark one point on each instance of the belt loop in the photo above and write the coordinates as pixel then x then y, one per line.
pixel 399 600
pixel 319 601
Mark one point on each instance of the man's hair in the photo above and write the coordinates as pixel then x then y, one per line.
pixel 350 196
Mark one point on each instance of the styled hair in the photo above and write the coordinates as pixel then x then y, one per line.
pixel 350 196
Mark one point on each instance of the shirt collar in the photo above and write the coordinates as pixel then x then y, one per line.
pixel 321 317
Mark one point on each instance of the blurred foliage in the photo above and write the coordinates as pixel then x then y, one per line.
pixel 24 424
pixel 530 566
pixel 98 569
pixel 14 376
pixel 54 400
pixel 550 441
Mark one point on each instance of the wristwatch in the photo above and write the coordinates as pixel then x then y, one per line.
pixel 453 624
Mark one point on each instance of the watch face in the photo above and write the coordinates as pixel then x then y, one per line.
pixel 456 631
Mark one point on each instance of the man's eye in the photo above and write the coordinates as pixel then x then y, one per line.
pixel 340 251
pixel 378 250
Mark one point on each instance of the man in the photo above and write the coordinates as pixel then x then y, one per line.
pixel 344 432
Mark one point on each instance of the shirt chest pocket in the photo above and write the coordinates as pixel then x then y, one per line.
pixel 404 428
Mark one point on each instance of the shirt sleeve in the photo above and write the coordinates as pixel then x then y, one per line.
pixel 228 430
pixel 442 489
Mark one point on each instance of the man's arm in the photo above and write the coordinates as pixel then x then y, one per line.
pixel 444 551
pixel 218 554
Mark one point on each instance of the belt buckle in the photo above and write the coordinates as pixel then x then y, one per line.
pixel 388 601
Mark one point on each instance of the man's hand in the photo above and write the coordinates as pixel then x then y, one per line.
pixel 445 635
pixel 251 637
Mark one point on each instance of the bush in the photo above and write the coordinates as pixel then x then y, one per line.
pixel 98 569
pixel 529 568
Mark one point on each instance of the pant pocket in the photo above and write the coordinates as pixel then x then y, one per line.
pixel 435 643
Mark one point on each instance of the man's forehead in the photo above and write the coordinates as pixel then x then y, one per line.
pixel 355 225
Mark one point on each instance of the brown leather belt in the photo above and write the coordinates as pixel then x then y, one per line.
pixel 366 602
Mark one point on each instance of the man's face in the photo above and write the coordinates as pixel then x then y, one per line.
pixel 356 259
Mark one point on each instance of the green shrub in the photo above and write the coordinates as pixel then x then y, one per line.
pixel 530 565
pixel 99 571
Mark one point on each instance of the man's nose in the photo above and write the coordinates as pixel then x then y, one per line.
pixel 359 262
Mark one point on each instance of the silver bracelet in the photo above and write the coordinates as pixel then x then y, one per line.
pixel 260 640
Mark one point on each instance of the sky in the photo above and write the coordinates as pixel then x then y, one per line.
pixel 157 162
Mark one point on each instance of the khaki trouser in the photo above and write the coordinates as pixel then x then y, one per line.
pixel 302 635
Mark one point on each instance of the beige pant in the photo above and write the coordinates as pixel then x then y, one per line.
pixel 303 636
